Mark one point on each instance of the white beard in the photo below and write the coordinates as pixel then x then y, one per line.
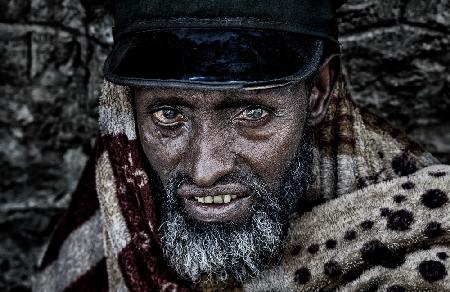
pixel 240 250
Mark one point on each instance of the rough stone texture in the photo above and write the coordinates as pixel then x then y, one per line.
pixel 51 54
pixel 396 56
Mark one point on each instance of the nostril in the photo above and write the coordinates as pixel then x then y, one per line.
pixel 207 171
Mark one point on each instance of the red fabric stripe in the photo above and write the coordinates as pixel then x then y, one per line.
pixel 141 261
pixel 338 120
pixel 133 267
pixel 138 277
pixel 96 279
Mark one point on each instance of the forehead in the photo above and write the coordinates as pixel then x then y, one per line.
pixel 202 96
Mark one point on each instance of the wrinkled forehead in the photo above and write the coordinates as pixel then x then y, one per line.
pixel 287 93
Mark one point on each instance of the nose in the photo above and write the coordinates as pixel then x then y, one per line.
pixel 210 157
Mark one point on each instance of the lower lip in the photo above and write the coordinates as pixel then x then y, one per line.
pixel 233 210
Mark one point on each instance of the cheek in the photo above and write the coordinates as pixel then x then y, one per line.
pixel 270 157
pixel 163 153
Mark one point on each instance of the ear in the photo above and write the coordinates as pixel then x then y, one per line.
pixel 322 87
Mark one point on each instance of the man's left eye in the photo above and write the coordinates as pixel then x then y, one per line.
pixel 253 113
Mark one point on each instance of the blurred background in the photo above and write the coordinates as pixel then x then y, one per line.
pixel 396 54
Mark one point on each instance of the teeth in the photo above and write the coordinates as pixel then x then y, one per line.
pixel 218 199
pixel 225 199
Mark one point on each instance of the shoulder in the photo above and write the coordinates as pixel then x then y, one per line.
pixel 391 233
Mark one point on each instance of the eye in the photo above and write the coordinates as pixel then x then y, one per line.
pixel 167 116
pixel 253 114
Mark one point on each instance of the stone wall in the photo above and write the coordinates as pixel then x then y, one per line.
pixel 51 53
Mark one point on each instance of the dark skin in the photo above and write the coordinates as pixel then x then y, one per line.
pixel 209 134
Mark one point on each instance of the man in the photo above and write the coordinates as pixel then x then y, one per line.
pixel 231 157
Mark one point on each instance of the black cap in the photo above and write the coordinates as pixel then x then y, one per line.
pixel 216 43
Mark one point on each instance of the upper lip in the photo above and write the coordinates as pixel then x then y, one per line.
pixel 190 191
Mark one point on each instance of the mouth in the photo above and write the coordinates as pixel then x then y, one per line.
pixel 217 204
pixel 220 199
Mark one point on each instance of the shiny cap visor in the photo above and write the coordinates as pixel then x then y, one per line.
pixel 218 58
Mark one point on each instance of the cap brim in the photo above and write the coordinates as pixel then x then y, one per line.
pixel 219 58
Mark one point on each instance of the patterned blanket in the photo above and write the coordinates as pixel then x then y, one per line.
pixel 377 217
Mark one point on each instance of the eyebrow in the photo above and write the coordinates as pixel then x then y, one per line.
pixel 230 100
pixel 238 100
pixel 173 100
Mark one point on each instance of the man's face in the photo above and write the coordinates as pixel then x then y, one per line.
pixel 232 165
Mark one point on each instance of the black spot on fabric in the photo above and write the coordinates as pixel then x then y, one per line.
pixel 372 288
pixel 432 271
pixel 408 185
pixel 296 250
pixel 434 198
pixel 395 133
pixel 395 288
pixel 330 243
pixel 437 173
pixel 380 154
pixel 394 260
pixel 400 220
pixel 332 269
pixel 442 255
pixel 366 224
pixel 302 275
pixel 313 248
pixel 385 212
pixel 374 252
pixel 350 276
pixel 399 198
pixel 350 235
pixel 403 164
pixel 361 183
pixel 433 229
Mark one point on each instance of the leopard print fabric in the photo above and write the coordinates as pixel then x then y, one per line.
pixel 393 236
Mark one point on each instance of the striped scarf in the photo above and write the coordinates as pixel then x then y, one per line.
pixel 108 238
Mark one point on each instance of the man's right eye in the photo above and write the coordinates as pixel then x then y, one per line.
pixel 167 117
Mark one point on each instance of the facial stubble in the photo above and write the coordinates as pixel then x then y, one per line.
pixel 240 249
